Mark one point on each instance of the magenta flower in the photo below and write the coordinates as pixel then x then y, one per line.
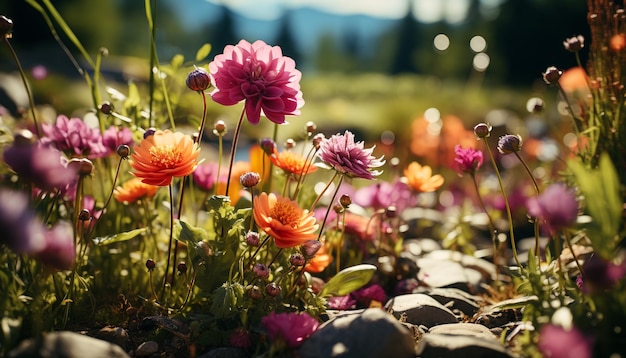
pixel 113 137
pixel 205 176
pixel 557 342
pixel 467 160
pixel 600 275
pixel 289 328
pixel 556 207
pixel 365 295
pixel 74 137
pixel 21 231
pixel 59 251
pixel 382 195
pixel 261 76
pixel 42 166
pixel 341 153
pixel 343 303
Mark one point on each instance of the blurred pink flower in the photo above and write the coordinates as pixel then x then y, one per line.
pixel 261 76
pixel 467 160
pixel 290 328
pixel 342 154
pixel 59 251
pixel 240 338
pixel 113 137
pixel 557 342
pixel 601 275
pixel 343 303
pixel 383 194
pixel 21 231
pixel 556 207
pixel 205 176
pixel 365 295
pixel 73 137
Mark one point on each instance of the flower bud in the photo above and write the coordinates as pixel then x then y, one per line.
pixel 574 44
pixel 317 140
pixel 297 259
pixel 310 248
pixel 509 143
pixel 219 128
pixel 345 201
pixel 84 215
pixel 23 137
pixel 106 108
pixel 254 292
pixel 252 238
pixel 249 179
pixel 552 75
pixel 391 212
pixel 6 26
pixel 338 209
pixel 482 130
pixel 123 151
pixel 150 264
pixel 261 271
pixel 534 105
pixel 148 132
pixel 83 166
pixel 182 267
pixel 268 146
pixel 198 80
pixel 272 289
pixel 290 143
pixel 310 127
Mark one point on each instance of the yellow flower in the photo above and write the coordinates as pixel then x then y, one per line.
pixel 164 155
pixel 421 178
pixel 133 190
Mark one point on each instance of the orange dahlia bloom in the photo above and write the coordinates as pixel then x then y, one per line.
pixel 284 220
pixel 421 178
pixel 164 155
pixel 292 163
pixel 133 190
pixel 320 261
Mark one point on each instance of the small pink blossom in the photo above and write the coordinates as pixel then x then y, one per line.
pixel 467 160
pixel 290 328
pixel 557 342
pixel 73 137
pixel 556 207
pixel 260 75
pixel 114 137
pixel 341 153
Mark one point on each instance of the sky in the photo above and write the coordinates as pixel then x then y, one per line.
pixel 424 10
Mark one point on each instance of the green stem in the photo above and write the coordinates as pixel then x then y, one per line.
pixel 535 221
pixel 330 207
pixel 492 228
pixel 234 149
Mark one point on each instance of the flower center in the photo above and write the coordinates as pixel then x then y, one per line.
pixel 285 213
pixel 166 156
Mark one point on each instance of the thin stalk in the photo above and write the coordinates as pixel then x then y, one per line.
pixel 234 149
pixel 169 246
pixel 319 236
pixel 323 191
pixel 532 178
pixel 492 228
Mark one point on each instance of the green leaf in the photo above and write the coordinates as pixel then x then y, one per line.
pixel 177 61
pixel 190 234
pixel 348 280
pixel 203 52
pixel 123 236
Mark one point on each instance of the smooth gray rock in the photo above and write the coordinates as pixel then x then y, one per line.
pixel 440 272
pixel 374 333
pixel 116 335
pixel 67 345
pixel 454 299
pixel 486 268
pixel 466 329
pixel 420 309
pixel 434 345
pixel 147 348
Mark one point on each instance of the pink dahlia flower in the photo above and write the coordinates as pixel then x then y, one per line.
pixel 260 75
pixel 341 153
pixel 467 160
pixel 291 328
pixel 74 137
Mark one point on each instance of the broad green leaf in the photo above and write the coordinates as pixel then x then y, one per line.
pixel 123 236
pixel 348 280
pixel 190 234
pixel 203 52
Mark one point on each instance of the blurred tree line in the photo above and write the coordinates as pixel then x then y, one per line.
pixel 523 39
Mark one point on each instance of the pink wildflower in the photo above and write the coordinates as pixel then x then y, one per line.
pixel 114 137
pixel 557 342
pixel 341 153
pixel 556 207
pixel 290 328
pixel 73 137
pixel 467 160
pixel 261 76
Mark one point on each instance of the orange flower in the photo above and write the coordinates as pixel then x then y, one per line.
pixel 284 220
pixel 292 163
pixel 320 261
pixel 133 190
pixel 421 178
pixel 164 155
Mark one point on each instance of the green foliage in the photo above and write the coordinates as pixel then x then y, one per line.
pixel 348 280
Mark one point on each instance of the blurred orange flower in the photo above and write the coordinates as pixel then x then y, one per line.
pixel 292 163
pixel 284 220
pixel 133 190
pixel 434 142
pixel 320 261
pixel 420 178
pixel 164 155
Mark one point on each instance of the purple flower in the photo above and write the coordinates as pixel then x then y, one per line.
pixel 39 165
pixel 467 160
pixel 261 76
pixel 290 328
pixel 74 137
pixel 341 153
pixel 59 251
pixel 365 295
pixel 600 275
pixel 205 176
pixel 382 195
pixel 21 231
pixel 343 303
pixel 509 143
pixel 114 137
pixel 556 207
pixel 557 342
